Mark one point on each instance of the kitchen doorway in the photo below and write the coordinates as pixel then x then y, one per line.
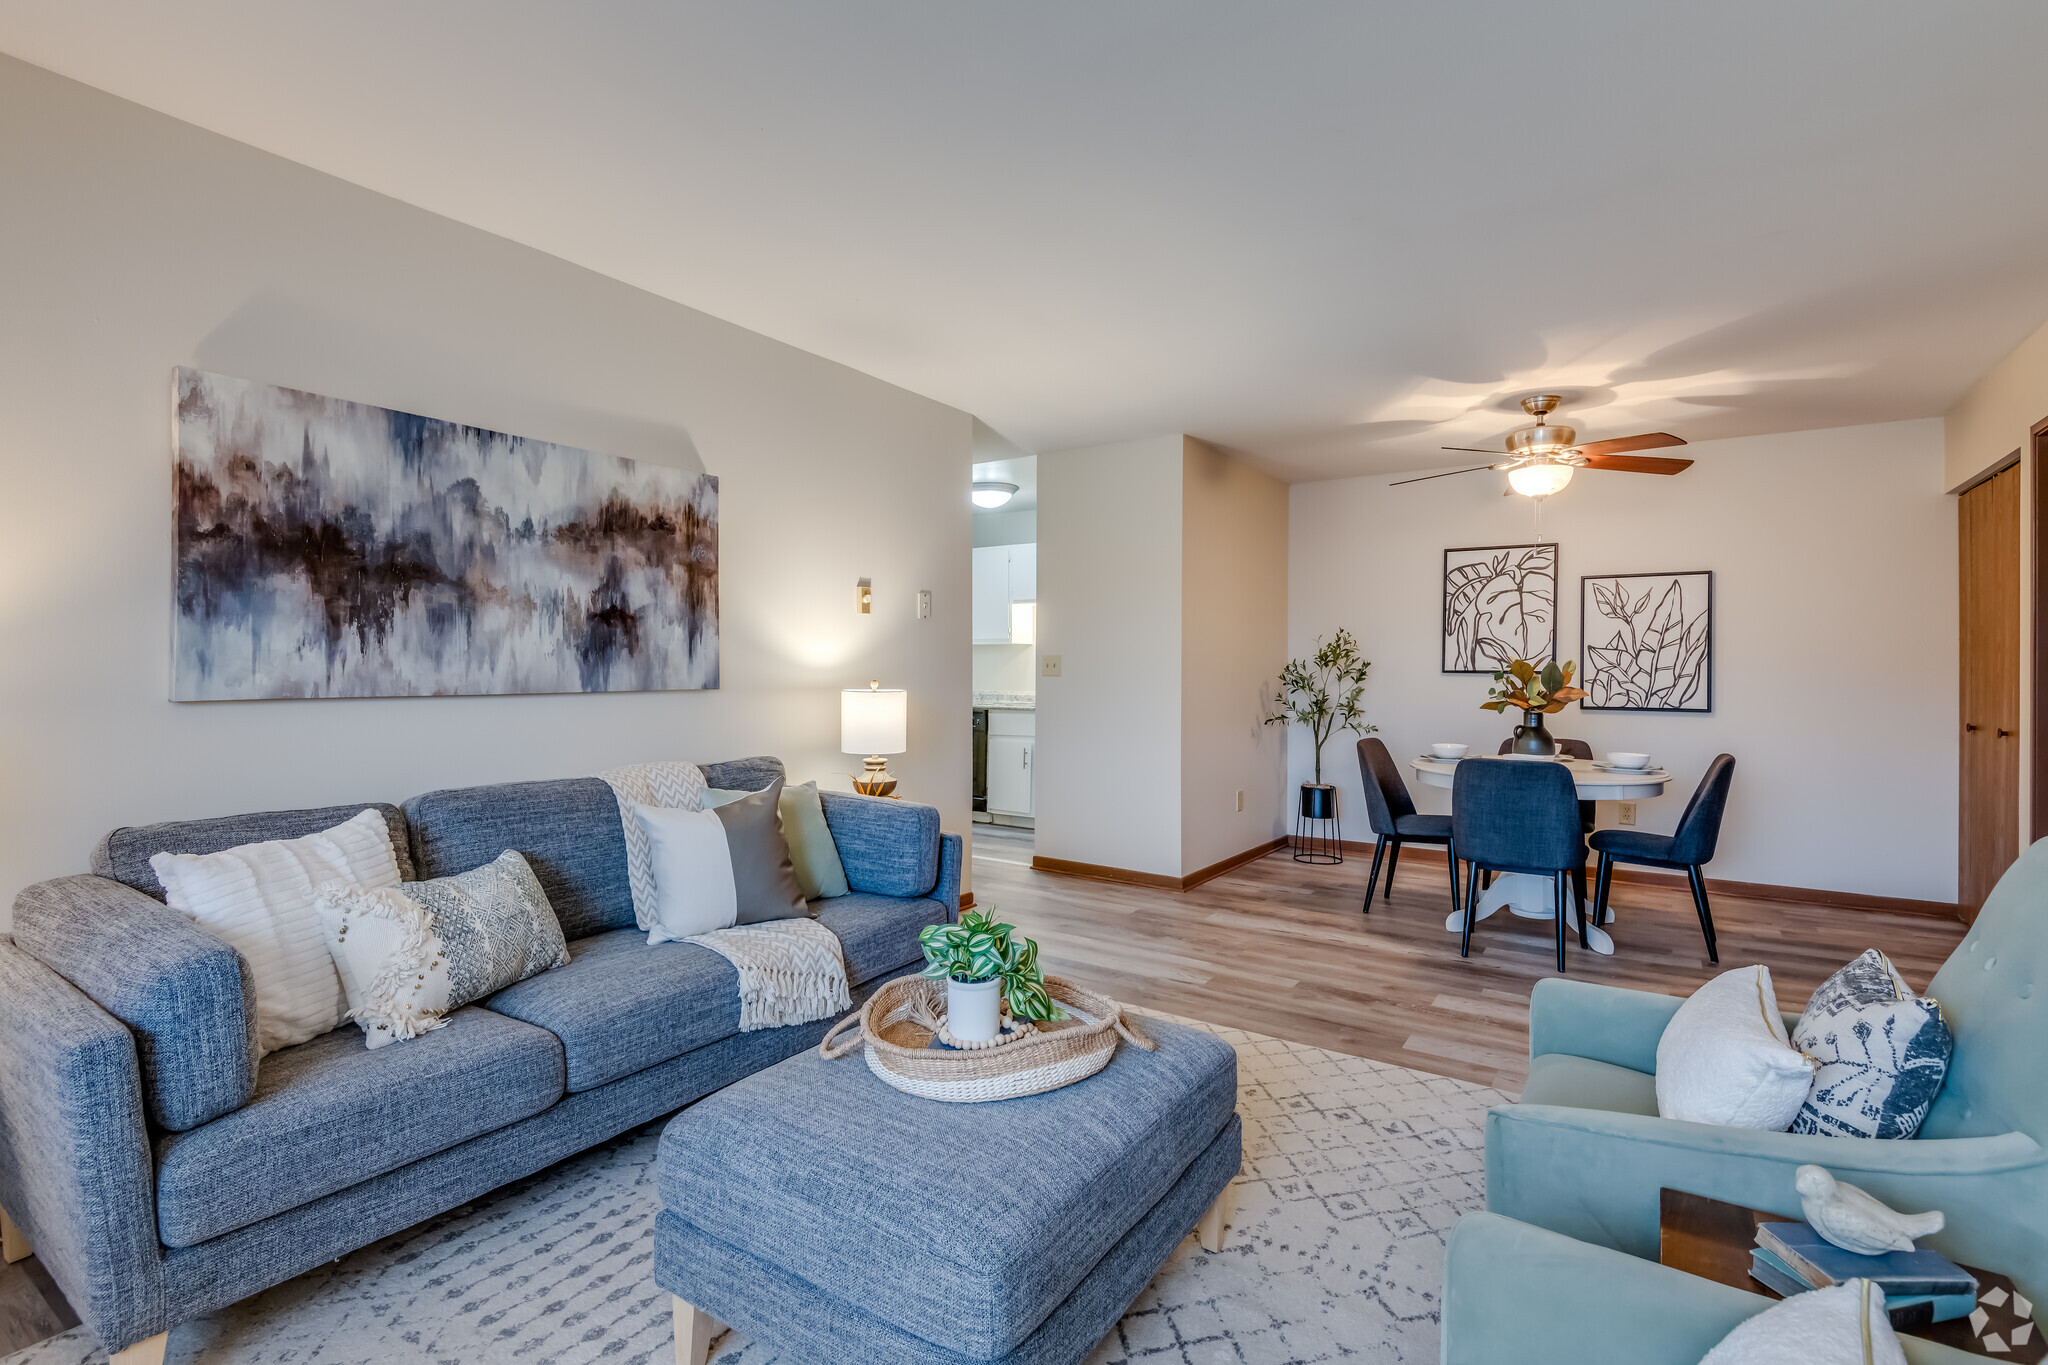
pixel 1005 636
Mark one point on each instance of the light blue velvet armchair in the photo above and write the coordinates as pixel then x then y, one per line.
pixel 1584 1153
pixel 1517 1293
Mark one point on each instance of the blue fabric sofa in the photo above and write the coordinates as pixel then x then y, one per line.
pixel 161 1173
pixel 1585 1152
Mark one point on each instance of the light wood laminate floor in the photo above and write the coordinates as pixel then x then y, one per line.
pixel 1279 947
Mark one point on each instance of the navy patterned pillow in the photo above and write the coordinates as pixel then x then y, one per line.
pixel 1882 1052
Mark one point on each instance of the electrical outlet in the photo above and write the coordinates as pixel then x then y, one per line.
pixel 863 597
pixel 924 604
pixel 1048 665
pixel 1240 799
pixel 1628 812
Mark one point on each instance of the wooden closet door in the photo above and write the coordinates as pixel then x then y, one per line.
pixel 1989 827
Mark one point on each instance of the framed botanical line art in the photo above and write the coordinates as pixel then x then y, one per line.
pixel 1500 604
pixel 1647 642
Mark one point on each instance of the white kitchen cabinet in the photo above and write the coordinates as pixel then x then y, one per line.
pixel 1009 774
pixel 1002 574
pixel 992 594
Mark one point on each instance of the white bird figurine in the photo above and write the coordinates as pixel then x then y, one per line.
pixel 1854 1219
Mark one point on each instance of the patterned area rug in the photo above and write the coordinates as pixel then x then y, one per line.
pixel 1354 1173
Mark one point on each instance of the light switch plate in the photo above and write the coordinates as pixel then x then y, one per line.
pixel 924 604
pixel 1048 665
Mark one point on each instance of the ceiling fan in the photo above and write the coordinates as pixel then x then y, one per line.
pixel 1540 458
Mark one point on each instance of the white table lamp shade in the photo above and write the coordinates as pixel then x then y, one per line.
pixel 874 720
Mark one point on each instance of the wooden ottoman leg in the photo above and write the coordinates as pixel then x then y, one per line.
pixel 1210 1230
pixel 13 1242
pixel 150 1352
pixel 694 1330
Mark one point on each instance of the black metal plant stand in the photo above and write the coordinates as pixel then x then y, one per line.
pixel 1318 836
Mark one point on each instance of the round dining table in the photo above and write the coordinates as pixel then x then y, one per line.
pixel 1532 897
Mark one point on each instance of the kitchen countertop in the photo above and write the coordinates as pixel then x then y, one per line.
pixel 1005 701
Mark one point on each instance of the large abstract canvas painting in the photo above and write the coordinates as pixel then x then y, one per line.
pixel 1648 642
pixel 1500 604
pixel 334 549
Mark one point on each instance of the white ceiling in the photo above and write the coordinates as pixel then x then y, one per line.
pixel 1331 235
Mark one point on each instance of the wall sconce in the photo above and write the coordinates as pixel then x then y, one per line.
pixel 1023 623
pixel 863 597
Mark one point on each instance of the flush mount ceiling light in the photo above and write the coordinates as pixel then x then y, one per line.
pixel 990 493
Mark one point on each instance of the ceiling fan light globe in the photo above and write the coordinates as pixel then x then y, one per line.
pixel 1539 480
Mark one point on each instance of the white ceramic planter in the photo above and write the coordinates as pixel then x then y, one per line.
pixel 974 1009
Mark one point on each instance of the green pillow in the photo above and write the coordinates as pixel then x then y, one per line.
pixel 811 850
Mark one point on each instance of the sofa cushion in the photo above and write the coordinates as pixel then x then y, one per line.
pixel 124 854
pixel 888 848
pixel 861 1187
pixel 877 934
pixel 622 1005
pixel 330 1113
pixel 1582 1083
pixel 744 774
pixel 568 831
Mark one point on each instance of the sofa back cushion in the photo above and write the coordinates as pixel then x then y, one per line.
pixel 124 854
pixel 888 848
pixel 568 830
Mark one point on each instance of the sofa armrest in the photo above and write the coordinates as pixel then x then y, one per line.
pixel 1516 1292
pixel 888 847
pixel 1595 1176
pixel 75 1168
pixel 187 995
pixel 952 852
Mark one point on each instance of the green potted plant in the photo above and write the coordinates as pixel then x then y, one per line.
pixel 985 966
pixel 1536 692
pixel 1321 693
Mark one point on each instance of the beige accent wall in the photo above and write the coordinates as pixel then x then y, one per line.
pixel 1835 651
pixel 132 243
pixel 1233 646
pixel 1162 585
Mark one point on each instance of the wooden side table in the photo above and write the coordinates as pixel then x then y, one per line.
pixel 1712 1239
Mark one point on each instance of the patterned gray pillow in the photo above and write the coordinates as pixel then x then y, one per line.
pixel 1882 1053
pixel 409 954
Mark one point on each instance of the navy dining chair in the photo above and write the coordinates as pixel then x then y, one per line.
pixel 1391 813
pixel 1589 814
pixel 1518 817
pixel 1688 849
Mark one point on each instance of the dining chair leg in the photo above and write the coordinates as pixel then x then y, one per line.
pixel 1489 879
pixel 1603 877
pixel 1393 861
pixel 1585 902
pixel 1451 856
pixel 1471 909
pixel 1699 903
pixel 1379 851
pixel 1557 905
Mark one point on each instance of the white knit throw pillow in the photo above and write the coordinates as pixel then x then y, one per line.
pixel 1842 1325
pixel 1724 1057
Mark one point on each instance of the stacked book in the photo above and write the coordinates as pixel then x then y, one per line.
pixel 1920 1287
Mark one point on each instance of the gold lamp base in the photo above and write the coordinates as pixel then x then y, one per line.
pixel 875 779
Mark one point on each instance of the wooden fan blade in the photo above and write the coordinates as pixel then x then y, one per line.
pixel 1650 441
pixel 1638 464
pixel 1445 475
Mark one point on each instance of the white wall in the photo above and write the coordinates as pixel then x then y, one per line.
pixel 1109 603
pixel 1834 555
pixel 132 243
pixel 1005 668
pixel 1005 528
pixel 1233 646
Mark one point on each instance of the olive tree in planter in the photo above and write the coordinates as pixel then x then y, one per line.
pixel 1321 694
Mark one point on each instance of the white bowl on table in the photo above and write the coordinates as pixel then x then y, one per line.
pixel 1450 752
pixel 1630 761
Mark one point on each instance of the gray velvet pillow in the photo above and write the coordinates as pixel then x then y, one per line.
pixel 763 878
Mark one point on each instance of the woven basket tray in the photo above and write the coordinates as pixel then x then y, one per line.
pixel 900 1020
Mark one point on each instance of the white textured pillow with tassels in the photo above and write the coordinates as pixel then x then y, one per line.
pixel 258 899
pixel 1724 1057
pixel 409 954
pixel 1845 1324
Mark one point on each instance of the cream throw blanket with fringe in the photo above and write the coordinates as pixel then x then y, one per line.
pixel 791 971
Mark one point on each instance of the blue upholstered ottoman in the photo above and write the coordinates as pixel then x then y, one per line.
pixel 847 1223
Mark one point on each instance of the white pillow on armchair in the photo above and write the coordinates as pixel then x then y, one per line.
pixel 1724 1057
